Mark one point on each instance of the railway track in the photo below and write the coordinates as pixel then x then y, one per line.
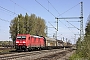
pixel 53 57
pixel 57 56
pixel 15 55
pixel 34 55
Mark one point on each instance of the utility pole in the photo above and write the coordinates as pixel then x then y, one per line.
pixel 81 24
pixel 57 24
pixel 46 31
pixel 18 25
pixel 55 29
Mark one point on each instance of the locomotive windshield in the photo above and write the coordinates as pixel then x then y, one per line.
pixel 21 37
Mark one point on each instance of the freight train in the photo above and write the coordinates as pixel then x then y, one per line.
pixel 30 42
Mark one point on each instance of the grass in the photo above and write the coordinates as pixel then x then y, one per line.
pixel 76 56
pixel 5 50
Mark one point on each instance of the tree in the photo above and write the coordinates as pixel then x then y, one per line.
pixel 87 29
pixel 87 39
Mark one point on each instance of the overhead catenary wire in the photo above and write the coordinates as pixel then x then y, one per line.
pixel 68 10
pixel 19 6
pixel 53 6
pixel 63 13
pixel 6 13
pixel 45 8
pixel 73 25
pixel 69 22
pixel 4 20
pixel 8 10
pixel 59 13
pixel 52 26
pixel 67 27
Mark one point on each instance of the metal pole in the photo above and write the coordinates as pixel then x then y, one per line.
pixel 81 24
pixel 56 38
pixel 46 31
pixel 18 25
pixel 75 39
pixel 57 24
pixel 56 31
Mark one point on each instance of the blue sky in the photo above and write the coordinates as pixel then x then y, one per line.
pixel 32 7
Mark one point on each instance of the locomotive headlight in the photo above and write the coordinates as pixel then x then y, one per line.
pixel 24 42
pixel 17 41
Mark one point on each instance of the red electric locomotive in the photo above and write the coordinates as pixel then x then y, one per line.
pixel 27 41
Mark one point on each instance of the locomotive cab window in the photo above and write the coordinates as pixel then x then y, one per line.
pixel 18 37
pixel 21 37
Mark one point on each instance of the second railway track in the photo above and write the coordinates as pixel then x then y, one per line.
pixel 34 55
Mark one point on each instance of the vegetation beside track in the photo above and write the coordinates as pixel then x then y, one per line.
pixel 6 46
pixel 5 50
pixel 83 47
